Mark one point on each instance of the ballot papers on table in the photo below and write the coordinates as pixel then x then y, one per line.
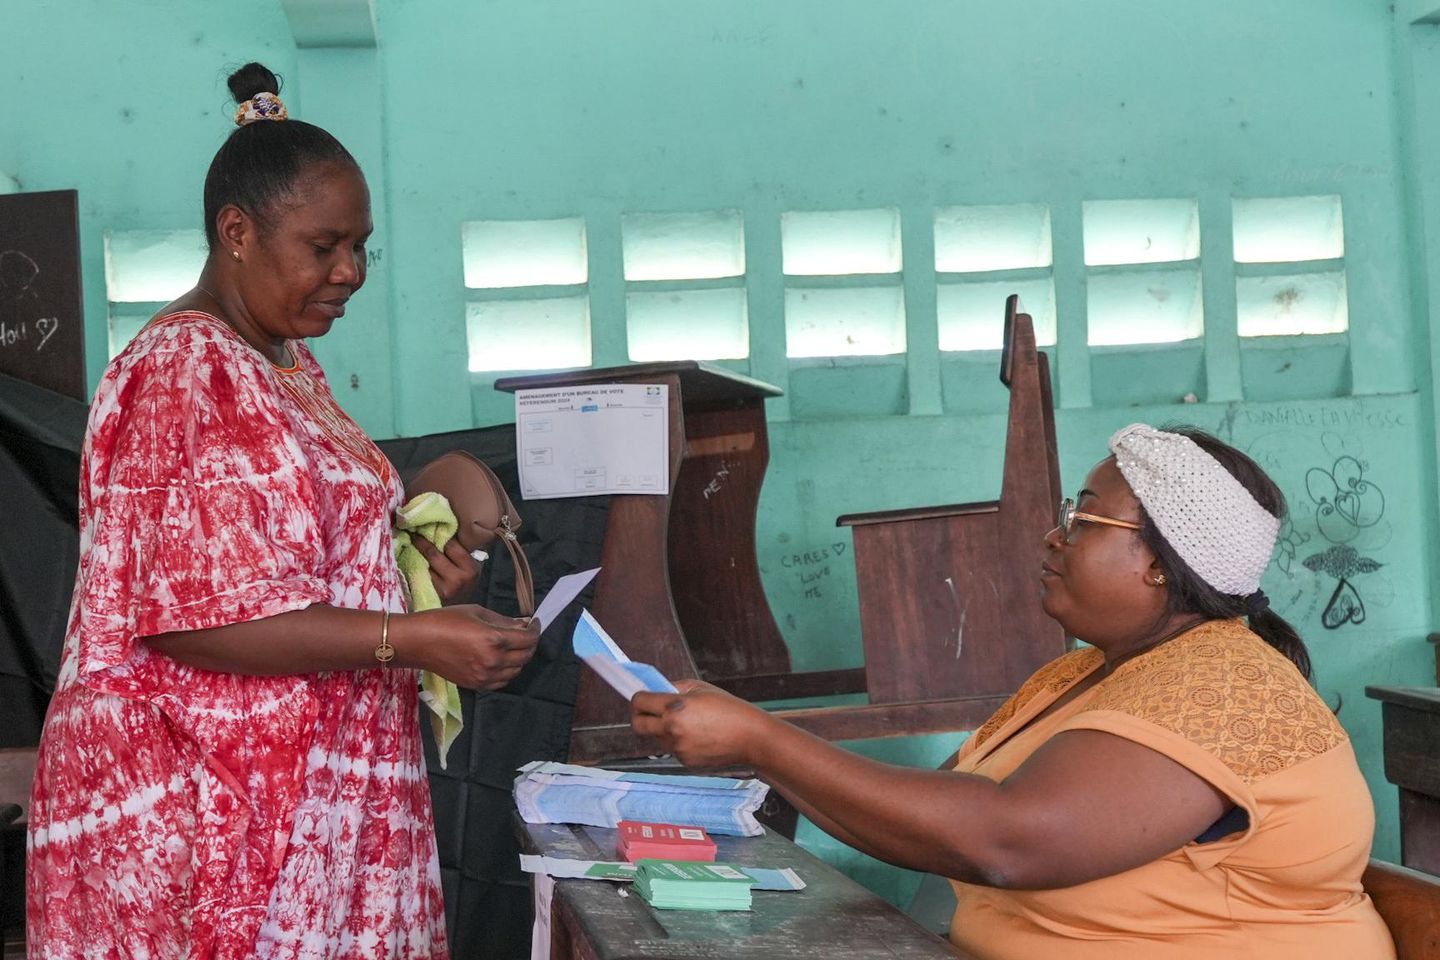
pixel 685 885
pixel 594 646
pixel 549 792
pixel 780 880
pixel 594 439
pixel 662 841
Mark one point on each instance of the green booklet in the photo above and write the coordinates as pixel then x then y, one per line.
pixel 689 885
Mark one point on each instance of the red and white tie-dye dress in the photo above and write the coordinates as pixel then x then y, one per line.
pixel 183 813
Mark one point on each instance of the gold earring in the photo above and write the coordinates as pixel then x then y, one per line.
pixel 236 255
pixel 1159 580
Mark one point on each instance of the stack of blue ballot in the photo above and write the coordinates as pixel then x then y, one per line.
pixel 548 792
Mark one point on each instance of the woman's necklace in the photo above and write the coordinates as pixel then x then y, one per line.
pixel 289 356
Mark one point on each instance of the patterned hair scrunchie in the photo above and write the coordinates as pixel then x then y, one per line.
pixel 262 106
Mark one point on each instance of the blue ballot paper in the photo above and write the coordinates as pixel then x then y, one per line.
pixel 594 646
pixel 550 792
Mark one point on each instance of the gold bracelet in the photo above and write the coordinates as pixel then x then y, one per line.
pixel 385 653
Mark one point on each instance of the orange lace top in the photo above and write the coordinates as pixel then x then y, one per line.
pixel 1233 710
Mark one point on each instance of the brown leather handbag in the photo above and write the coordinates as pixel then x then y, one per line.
pixel 484 510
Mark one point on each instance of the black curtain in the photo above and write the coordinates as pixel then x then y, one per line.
pixel 40 437
pixel 487 898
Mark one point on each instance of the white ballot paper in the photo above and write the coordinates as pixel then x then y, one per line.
pixel 566 589
pixel 595 439
pixel 594 646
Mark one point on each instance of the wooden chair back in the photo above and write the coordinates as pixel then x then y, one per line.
pixel 1409 903
pixel 949 605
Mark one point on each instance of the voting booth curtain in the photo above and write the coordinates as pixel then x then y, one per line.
pixel 487 898
pixel 40 436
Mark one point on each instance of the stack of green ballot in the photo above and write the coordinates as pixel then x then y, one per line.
pixel 691 885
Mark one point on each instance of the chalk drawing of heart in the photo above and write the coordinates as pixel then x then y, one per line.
pixel 1345 606
pixel 1348 506
pixel 47 327
pixel 1345 502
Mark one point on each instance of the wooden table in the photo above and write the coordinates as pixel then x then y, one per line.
pixel 1412 762
pixel 832 917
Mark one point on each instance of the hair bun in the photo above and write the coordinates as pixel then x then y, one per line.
pixel 251 79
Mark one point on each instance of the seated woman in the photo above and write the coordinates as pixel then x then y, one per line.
pixel 1175 789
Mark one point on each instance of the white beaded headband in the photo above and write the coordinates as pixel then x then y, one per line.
pixel 1212 521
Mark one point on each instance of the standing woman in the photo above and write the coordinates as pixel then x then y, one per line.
pixel 231 765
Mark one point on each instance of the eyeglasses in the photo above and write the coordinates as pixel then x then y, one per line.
pixel 1068 515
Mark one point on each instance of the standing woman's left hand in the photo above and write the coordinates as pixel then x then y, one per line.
pixel 454 572
pixel 702 726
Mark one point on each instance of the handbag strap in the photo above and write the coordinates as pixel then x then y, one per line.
pixel 524 580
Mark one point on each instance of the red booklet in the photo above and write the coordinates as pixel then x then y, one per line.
pixel 662 841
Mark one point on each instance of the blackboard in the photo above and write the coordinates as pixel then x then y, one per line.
pixel 42 329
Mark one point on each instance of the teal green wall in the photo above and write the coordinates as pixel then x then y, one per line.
pixel 550 108
pixel 126 102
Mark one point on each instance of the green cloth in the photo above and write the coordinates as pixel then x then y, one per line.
pixel 429 516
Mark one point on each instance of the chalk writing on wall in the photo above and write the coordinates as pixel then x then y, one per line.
pixel 20 326
pixel 1345 501
pixel 1342 562
pixel 1346 505
pixel 813 567
pixel 41 329
pixel 1330 549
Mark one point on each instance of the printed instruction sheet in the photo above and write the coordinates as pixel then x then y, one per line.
pixel 596 439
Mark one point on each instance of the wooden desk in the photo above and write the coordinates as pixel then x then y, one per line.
pixel 680 581
pixel 1412 762
pixel 832 917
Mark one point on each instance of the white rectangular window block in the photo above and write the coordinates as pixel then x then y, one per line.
pixel 524 253
pixel 152 266
pixel 123 327
pixel 688 325
pixel 1141 231
pixel 972 315
pixel 683 246
pixel 836 242
pixel 1288 229
pixel 1289 306
pixel 975 239
pixel 528 334
pixel 1163 306
pixel 865 321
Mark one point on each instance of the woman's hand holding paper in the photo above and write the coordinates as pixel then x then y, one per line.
pixel 467 644
pixel 702 726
